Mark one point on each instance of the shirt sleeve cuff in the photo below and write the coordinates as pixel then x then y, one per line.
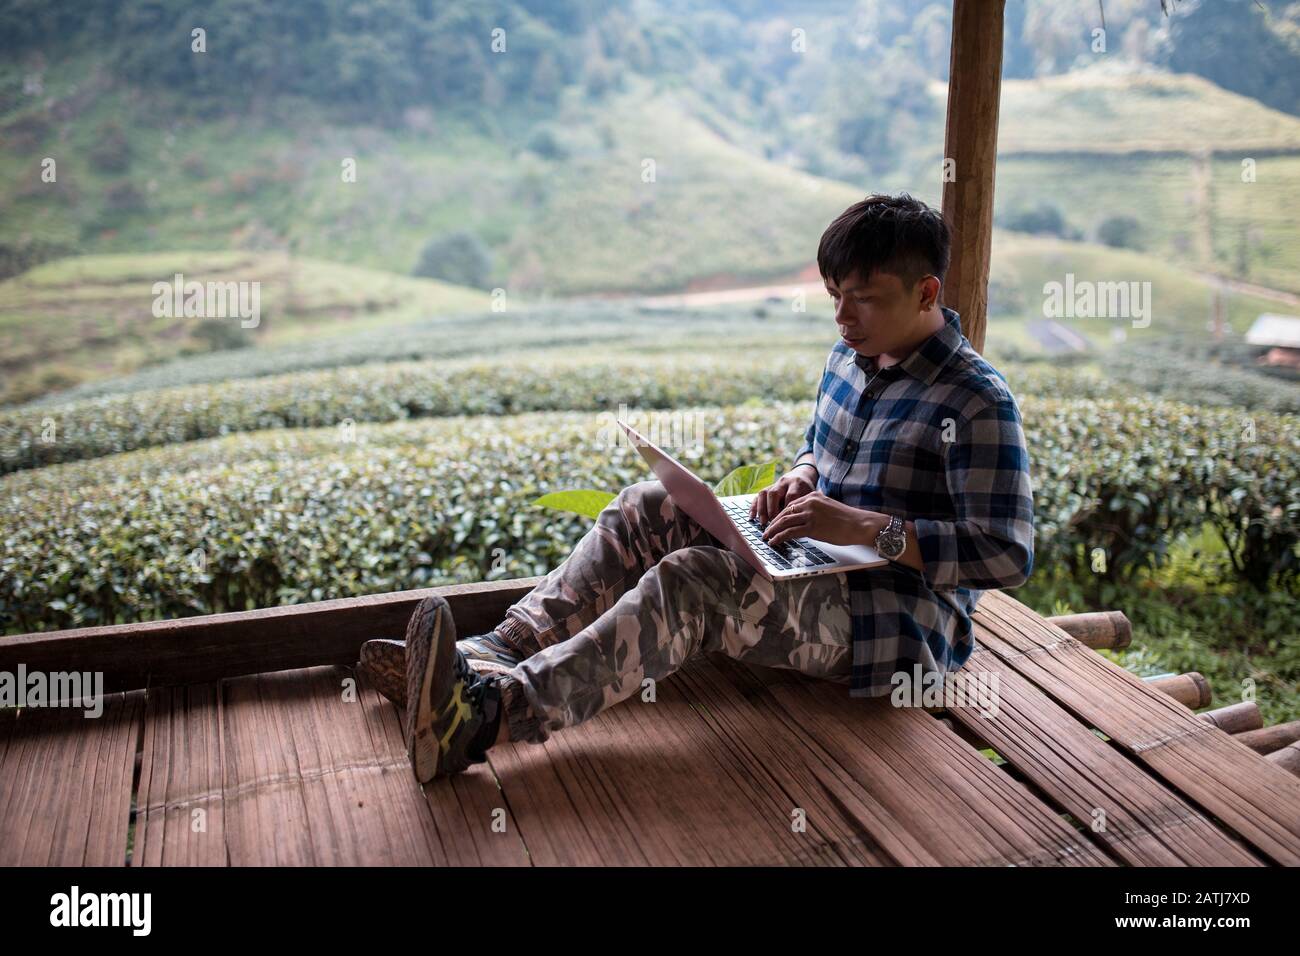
pixel 938 545
pixel 806 449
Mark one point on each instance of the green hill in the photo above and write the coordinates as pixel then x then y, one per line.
pixel 566 210
pixel 563 207
pixel 658 182
pixel 1111 111
pixel 321 315
pixel 1181 300
pixel 1166 150
pixel 88 318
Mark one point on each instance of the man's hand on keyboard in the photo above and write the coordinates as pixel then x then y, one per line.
pixel 788 488
pixel 814 515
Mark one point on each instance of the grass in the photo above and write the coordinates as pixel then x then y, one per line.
pixel 1262 216
pixel 1180 300
pixel 1190 616
pixel 1159 192
pixel 579 223
pixel 587 221
pixel 574 329
pixel 712 210
pixel 87 320
pixel 90 318
pixel 1099 112
pixel 249 188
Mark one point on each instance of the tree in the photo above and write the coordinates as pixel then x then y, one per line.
pixel 1242 47
pixel 1121 232
pixel 545 142
pixel 547 78
pixel 1043 219
pixel 112 150
pixel 459 257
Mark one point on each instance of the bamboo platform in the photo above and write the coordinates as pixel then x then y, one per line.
pixel 235 742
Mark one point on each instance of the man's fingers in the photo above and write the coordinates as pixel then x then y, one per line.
pixel 777 501
pixel 787 524
pixel 768 502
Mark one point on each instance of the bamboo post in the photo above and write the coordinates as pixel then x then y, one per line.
pixel 1266 740
pixel 1191 690
pixel 1097 629
pixel 1288 758
pixel 970 155
pixel 1235 718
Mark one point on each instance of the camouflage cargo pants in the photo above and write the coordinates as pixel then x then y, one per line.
pixel 645 589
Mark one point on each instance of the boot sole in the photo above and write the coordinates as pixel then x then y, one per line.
pixel 383 662
pixel 428 677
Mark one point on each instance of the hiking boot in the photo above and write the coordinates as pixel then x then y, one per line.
pixel 453 713
pixel 383 661
pixel 384 664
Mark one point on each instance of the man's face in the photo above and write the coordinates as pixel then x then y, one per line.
pixel 878 316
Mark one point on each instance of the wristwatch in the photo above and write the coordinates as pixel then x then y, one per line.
pixel 892 541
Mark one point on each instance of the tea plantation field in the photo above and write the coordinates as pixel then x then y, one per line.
pixel 361 466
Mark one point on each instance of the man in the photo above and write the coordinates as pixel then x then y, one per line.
pixel 915 447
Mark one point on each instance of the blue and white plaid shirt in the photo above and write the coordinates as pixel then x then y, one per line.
pixel 935 439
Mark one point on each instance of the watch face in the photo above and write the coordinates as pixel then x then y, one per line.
pixel 891 542
pixel 890 545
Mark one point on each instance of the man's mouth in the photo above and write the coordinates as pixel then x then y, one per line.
pixel 850 340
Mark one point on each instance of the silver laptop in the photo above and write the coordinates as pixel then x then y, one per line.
pixel 727 519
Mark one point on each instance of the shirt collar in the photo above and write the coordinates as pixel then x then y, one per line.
pixel 928 358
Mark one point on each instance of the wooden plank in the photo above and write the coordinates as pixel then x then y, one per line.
pixel 645 784
pixel 839 813
pixel 1145 823
pixel 933 785
pixel 291 770
pixel 180 819
pixel 971 145
pixel 313 777
pixel 298 766
pixel 200 649
pixel 8 719
pixel 1251 798
pixel 65 784
pixel 564 812
pixel 713 770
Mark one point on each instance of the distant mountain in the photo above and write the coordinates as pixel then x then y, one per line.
pixel 576 147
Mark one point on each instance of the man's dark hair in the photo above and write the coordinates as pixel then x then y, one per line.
pixel 899 235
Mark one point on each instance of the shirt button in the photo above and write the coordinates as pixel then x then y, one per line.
pixel 850 449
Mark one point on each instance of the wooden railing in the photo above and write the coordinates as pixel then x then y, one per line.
pixel 210 647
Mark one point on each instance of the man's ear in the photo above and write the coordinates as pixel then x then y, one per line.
pixel 929 288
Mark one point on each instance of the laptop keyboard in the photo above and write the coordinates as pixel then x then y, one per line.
pixel 795 553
